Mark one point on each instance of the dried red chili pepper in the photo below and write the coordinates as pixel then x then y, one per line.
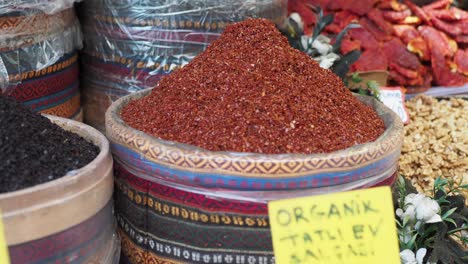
pixel 251 92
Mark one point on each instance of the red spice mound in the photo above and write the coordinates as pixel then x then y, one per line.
pixel 251 92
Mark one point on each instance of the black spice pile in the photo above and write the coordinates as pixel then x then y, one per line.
pixel 251 92
pixel 33 150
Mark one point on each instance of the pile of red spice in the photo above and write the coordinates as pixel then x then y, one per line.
pixel 251 92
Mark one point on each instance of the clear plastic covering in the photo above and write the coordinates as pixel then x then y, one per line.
pixel 44 6
pixel 34 35
pixel 131 44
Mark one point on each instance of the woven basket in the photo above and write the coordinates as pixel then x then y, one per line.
pixel 177 203
pixel 66 219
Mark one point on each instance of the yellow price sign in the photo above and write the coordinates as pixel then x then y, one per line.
pixel 356 227
pixel 4 257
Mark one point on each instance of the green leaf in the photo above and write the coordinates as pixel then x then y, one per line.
pixel 327 20
pixel 449 213
pixel 450 220
pixel 439 184
pixel 442 200
pixel 464 186
pixel 341 67
pixel 398 223
pixel 405 221
pixel 339 37
pixel 411 244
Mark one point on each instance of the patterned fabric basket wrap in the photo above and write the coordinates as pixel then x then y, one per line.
pixel 192 167
pixel 162 224
pixel 38 59
pixel 53 90
pixel 131 44
pixel 68 220
pixel 23 24
pixel 177 203
pixel 22 49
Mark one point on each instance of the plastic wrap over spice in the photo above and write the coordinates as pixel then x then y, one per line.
pixel 38 59
pixel 191 167
pixel 44 6
pixel 131 44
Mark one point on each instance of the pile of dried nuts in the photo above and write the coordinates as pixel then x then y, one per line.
pixel 436 141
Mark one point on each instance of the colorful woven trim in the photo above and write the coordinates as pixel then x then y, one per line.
pixel 161 224
pixel 197 175
pixel 126 182
pixel 158 160
pixel 68 37
pixel 74 245
pixel 206 15
pixel 163 22
pixel 20 25
pixel 67 62
pixel 154 216
pixel 53 90
pixel 67 109
pixel 166 253
pixel 163 36
pixel 126 74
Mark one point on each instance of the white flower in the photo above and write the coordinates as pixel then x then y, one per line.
pixel 322 47
pixel 407 256
pixel 323 39
pixel 305 41
pixel 414 199
pixel 428 211
pixel 298 20
pixel 420 207
pixel 409 214
pixel 327 61
pixel 294 25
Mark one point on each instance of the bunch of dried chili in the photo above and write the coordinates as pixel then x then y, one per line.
pixel 251 92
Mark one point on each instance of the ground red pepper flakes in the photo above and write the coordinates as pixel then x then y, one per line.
pixel 251 92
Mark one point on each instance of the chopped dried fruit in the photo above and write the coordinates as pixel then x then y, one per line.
pixel 419 46
pixel 376 16
pixel 392 5
pixel 443 4
pixel 396 51
pixel 370 60
pixel 406 32
pixel 461 60
pixel 366 39
pixel 396 17
pixel 438 40
pixel 419 12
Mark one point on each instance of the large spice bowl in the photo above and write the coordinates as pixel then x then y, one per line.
pixel 68 220
pixel 180 203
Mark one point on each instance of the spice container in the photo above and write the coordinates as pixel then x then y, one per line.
pixel 131 44
pixel 67 219
pixel 186 204
pixel 38 58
